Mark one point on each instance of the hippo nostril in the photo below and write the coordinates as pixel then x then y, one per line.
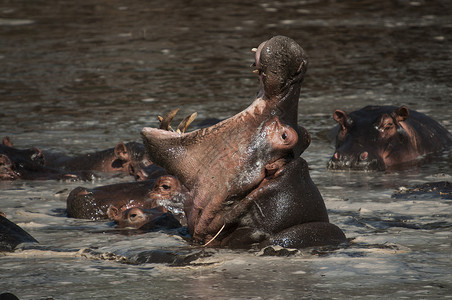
pixel 364 155
pixel 284 136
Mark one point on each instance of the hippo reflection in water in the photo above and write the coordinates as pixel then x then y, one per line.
pixel 384 137
pixel 246 182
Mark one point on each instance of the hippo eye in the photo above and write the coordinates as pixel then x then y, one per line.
pixel 132 216
pixel 165 186
pixel 388 126
pixel 284 136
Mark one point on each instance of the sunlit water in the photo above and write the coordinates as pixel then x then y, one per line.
pixel 82 76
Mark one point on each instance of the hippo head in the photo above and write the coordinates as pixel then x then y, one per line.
pixel 7 168
pixel 222 163
pixel 372 138
pixel 168 192
pixel 26 156
pixel 130 157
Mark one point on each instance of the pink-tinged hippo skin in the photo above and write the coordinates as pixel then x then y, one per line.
pixel 29 164
pixel 225 164
pixel 385 138
pixel 144 219
pixel 94 203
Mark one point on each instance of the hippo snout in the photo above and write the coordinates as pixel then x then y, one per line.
pixel 363 161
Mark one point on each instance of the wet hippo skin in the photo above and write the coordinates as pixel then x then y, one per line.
pixel 12 235
pixel 124 157
pixel 383 137
pixel 94 203
pixel 238 169
pixel 29 164
pixel 144 219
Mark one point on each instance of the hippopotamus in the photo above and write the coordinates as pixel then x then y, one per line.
pixel 126 158
pixel 29 164
pixel 94 203
pixel 235 170
pixel 385 137
pixel 12 235
pixel 144 219
pixel 8 296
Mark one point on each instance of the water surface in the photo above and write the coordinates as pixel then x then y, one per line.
pixel 81 76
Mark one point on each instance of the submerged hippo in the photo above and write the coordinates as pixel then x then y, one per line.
pixel 29 164
pixel 12 235
pixel 144 219
pixel 94 203
pixel 382 137
pixel 429 190
pixel 124 157
pixel 246 181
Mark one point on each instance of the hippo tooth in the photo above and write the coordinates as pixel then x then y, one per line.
pixel 186 122
pixel 166 120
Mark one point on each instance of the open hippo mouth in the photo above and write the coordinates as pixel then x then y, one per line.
pixel 222 164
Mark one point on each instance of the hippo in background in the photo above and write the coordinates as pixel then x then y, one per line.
pixel 384 138
pixel 34 163
pixel 94 203
pixel 29 164
pixel 246 183
pixel 126 158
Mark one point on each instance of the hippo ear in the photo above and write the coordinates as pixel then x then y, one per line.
pixel 38 156
pixel 340 117
pixel 7 142
pixel 121 152
pixel 402 113
pixel 113 213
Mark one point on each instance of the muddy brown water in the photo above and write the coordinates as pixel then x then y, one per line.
pixel 78 76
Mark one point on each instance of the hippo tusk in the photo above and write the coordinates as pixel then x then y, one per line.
pixel 186 122
pixel 254 50
pixel 166 120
